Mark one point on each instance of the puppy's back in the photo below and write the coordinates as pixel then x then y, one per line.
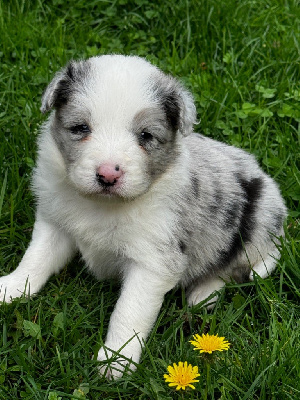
pixel 234 210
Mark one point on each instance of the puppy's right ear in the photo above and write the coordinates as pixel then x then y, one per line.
pixel 53 90
pixel 64 83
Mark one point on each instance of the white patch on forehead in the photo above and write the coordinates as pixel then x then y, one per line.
pixel 119 86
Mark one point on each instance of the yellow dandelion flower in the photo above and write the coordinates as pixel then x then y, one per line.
pixel 209 343
pixel 182 375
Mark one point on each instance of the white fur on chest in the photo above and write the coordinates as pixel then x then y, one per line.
pixel 108 236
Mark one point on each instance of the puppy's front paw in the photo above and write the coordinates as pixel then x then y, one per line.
pixel 11 289
pixel 115 362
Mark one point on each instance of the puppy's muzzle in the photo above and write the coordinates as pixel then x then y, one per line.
pixel 108 174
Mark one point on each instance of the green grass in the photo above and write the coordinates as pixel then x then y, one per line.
pixel 241 61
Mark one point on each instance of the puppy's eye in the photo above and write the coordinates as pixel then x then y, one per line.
pixel 80 129
pixel 146 136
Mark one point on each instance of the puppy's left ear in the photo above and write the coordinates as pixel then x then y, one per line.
pixel 178 104
pixel 188 113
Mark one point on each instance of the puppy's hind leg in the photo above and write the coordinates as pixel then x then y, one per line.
pixel 49 250
pixel 266 266
pixel 202 290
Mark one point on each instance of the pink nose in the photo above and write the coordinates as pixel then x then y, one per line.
pixel 108 174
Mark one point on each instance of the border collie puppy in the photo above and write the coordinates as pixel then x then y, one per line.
pixel 122 178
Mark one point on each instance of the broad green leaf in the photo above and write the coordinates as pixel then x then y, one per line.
pixel 32 329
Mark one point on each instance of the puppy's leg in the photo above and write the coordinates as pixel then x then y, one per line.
pixel 133 317
pixel 200 291
pixel 265 267
pixel 47 253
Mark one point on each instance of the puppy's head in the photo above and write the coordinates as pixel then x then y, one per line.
pixel 117 123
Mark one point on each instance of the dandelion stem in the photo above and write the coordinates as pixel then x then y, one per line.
pixel 208 380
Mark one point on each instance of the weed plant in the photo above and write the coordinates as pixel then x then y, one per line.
pixel 241 61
